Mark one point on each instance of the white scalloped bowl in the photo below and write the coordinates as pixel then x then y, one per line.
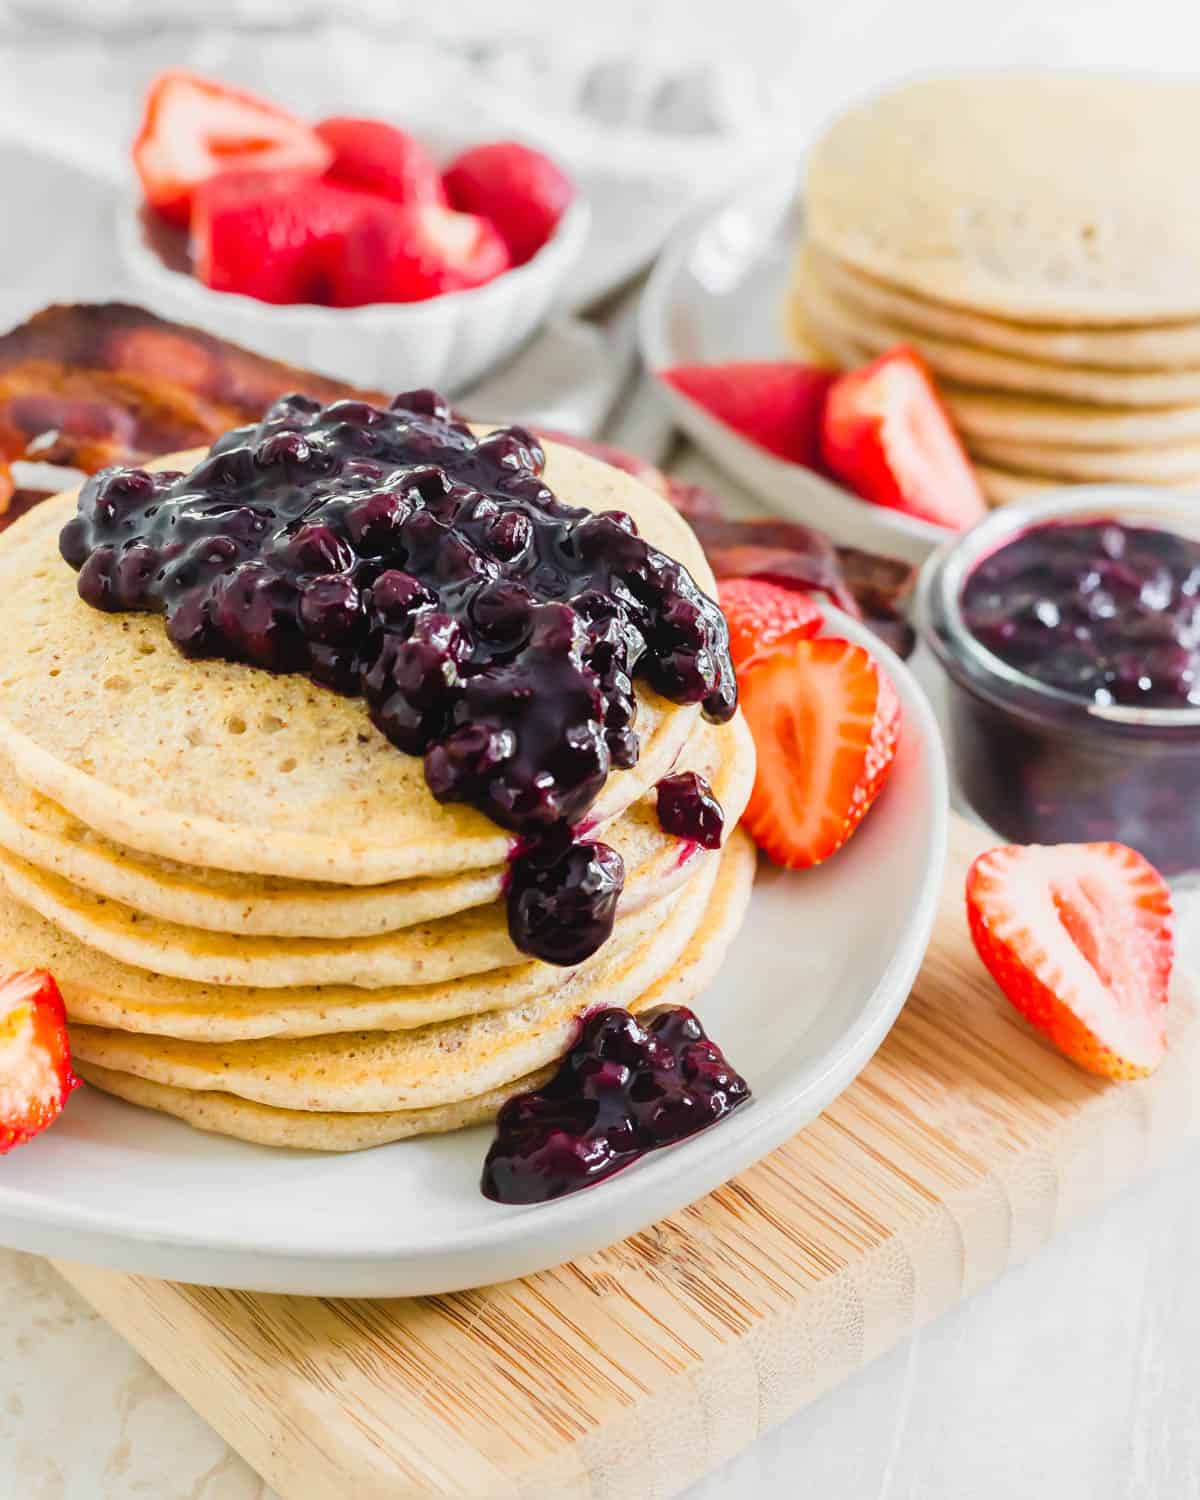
pixel 445 342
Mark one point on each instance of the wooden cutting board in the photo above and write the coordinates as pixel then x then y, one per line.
pixel 964 1145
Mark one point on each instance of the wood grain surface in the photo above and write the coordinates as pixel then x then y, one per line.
pixel 963 1146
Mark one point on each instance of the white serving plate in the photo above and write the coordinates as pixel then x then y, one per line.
pixel 810 989
pixel 716 294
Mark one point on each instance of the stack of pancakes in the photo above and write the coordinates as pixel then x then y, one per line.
pixel 1037 239
pixel 261 920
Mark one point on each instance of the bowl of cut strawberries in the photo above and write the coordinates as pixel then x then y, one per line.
pixel 346 244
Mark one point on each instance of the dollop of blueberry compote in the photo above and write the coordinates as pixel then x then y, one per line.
pixel 492 629
pixel 688 809
pixel 626 1087
pixel 1102 610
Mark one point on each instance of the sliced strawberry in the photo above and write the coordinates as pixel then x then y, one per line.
pixel 776 405
pixel 408 252
pixel 194 128
pixel 521 191
pixel 826 721
pixel 272 236
pixel 764 616
pixel 35 1059
pixel 376 157
pixel 1080 937
pixel 886 435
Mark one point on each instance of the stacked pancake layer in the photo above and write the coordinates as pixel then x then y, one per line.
pixel 1034 238
pixel 260 919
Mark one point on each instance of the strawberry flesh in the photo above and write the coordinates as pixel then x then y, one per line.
pixel 777 405
pixel 520 190
pixel 410 252
pixel 288 238
pixel 764 616
pixel 375 157
pixel 274 237
pixel 1080 938
pixel 195 128
pixel 826 721
pixel 886 434
pixel 35 1058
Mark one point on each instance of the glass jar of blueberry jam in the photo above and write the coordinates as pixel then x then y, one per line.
pixel 1069 628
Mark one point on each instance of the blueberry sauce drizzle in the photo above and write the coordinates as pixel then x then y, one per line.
pixel 688 809
pixel 1104 611
pixel 626 1087
pixel 491 628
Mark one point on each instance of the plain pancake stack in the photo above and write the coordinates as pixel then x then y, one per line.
pixel 261 920
pixel 1037 239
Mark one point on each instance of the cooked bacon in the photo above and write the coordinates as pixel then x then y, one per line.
pixel 93 384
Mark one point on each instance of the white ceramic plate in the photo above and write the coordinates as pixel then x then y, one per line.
pixel 813 983
pixel 717 294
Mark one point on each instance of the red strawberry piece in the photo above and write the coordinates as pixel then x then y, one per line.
pixel 194 128
pixel 273 236
pixel 825 720
pixel 765 616
pixel 521 191
pixel 409 252
pixel 35 1058
pixel 777 405
pixel 887 436
pixel 376 157
pixel 1080 937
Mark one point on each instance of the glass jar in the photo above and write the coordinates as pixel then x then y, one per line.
pixel 1041 765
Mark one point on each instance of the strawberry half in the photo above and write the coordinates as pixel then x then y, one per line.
pixel 274 236
pixel 826 721
pixel 35 1058
pixel 376 157
pixel 195 128
pixel 886 434
pixel 777 405
pixel 1080 937
pixel 409 252
pixel 522 192
pixel 764 616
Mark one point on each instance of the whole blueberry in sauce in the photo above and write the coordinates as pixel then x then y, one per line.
pixel 688 809
pixel 1107 612
pixel 626 1087
pixel 492 629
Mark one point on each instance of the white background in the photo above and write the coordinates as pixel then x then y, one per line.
pixel 1074 1378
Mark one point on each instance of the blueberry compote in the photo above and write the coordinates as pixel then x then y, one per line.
pixel 626 1087
pixel 688 809
pixel 1099 609
pixel 492 629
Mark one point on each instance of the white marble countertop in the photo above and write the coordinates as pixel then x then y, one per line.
pixel 1074 1376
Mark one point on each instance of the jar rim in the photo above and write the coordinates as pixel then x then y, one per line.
pixel 966 659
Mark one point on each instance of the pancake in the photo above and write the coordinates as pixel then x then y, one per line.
pixel 1173 464
pixel 1049 198
pixel 46 835
pixel 262 1125
pixel 1004 487
pixel 101 992
pixel 839 326
pixel 217 764
pixel 1028 419
pixel 469 942
pixel 208 1108
pixel 427 1065
pixel 1158 346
